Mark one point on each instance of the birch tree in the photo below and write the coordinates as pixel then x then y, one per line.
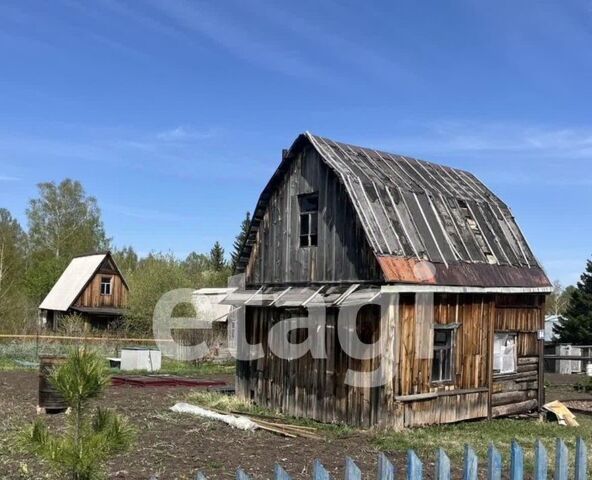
pixel 12 266
pixel 63 222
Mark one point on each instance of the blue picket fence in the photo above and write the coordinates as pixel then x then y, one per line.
pixel 442 469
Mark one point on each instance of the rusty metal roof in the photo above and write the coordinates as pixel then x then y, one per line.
pixel 482 275
pixel 420 211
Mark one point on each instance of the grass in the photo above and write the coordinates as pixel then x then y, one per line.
pixel 9 355
pixel 186 369
pixel 9 365
pixel 453 438
pixel 228 403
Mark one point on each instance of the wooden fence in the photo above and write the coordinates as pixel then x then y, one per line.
pixel 442 468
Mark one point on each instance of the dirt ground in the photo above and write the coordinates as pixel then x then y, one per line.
pixel 175 446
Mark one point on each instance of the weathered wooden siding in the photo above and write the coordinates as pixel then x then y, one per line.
pixel 306 387
pixel 342 254
pixel 91 295
pixel 471 313
pixel 316 388
pixel 521 391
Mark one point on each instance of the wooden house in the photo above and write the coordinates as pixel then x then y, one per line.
pixel 338 222
pixel 91 286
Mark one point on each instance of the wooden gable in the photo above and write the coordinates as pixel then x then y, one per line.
pixel 342 252
pixel 91 296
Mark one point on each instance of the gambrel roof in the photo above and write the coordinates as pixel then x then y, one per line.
pixel 77 275
pixel 414 211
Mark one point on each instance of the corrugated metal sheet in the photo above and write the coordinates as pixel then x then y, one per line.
pixel 402 270
pixel 302 296
pixel 72 281
pixel 413 209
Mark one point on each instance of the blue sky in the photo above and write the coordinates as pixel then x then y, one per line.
pixel 174 113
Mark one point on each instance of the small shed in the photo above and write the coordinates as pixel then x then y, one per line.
pixel 463 290
pixel 91 286
pixel 209 306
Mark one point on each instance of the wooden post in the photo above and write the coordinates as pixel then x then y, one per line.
pixel 414 466
pixel 280 474
pixel 581 460
pixel 442 466
pixel 319 472
pixel 561 466
pixel 390 332
pixel 516 462
pixel 490 339
pixel 352 471
pixel 541 345
pixel 540 461
pixel 494 464
pixel 470 464
pixel 241 475
pixel 386 470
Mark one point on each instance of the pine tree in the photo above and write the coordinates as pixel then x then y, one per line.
pixel 240 239
pixel 90 438
pixel 217 257
pixel 577 327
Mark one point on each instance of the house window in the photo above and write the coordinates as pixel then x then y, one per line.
pixel 443 360
pixel 504 353
pixel 105 285
pixel 309 219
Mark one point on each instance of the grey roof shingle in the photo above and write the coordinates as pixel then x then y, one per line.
pixel 413 208
pixel 418 210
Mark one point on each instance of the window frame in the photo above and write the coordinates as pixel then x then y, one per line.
pixel 451 349
pixel 308 216
pixel 103 283
pixel 499 373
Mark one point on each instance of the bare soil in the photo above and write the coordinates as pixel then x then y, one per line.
pixel 175 446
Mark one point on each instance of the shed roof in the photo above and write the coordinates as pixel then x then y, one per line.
pixel 72 281
pixel 414 211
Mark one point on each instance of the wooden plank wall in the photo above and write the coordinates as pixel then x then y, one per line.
pixel 91 295
pixel 307 387
pixel 519 392
pixel 470 312
pixel 343 253
pixel 424 403
pixel 316 388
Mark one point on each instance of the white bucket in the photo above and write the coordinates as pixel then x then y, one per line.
pixel 589 370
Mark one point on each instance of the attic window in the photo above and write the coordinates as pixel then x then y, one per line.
pixel 474 227
pixel 105 285
pixel 309 219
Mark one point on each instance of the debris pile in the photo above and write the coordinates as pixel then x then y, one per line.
pixel 250 422
pixel 563 414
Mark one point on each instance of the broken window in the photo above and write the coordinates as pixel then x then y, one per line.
pixel 504 353
pixel 106 286
pixel 309 219
pixel 443 359
pixel 474 227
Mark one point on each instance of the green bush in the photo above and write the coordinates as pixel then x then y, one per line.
pixel 584 385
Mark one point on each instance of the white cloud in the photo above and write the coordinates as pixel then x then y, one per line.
pixel 184 134
pixel 495 137
pixel 504 153
pixel 239 40
pixel 8 178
